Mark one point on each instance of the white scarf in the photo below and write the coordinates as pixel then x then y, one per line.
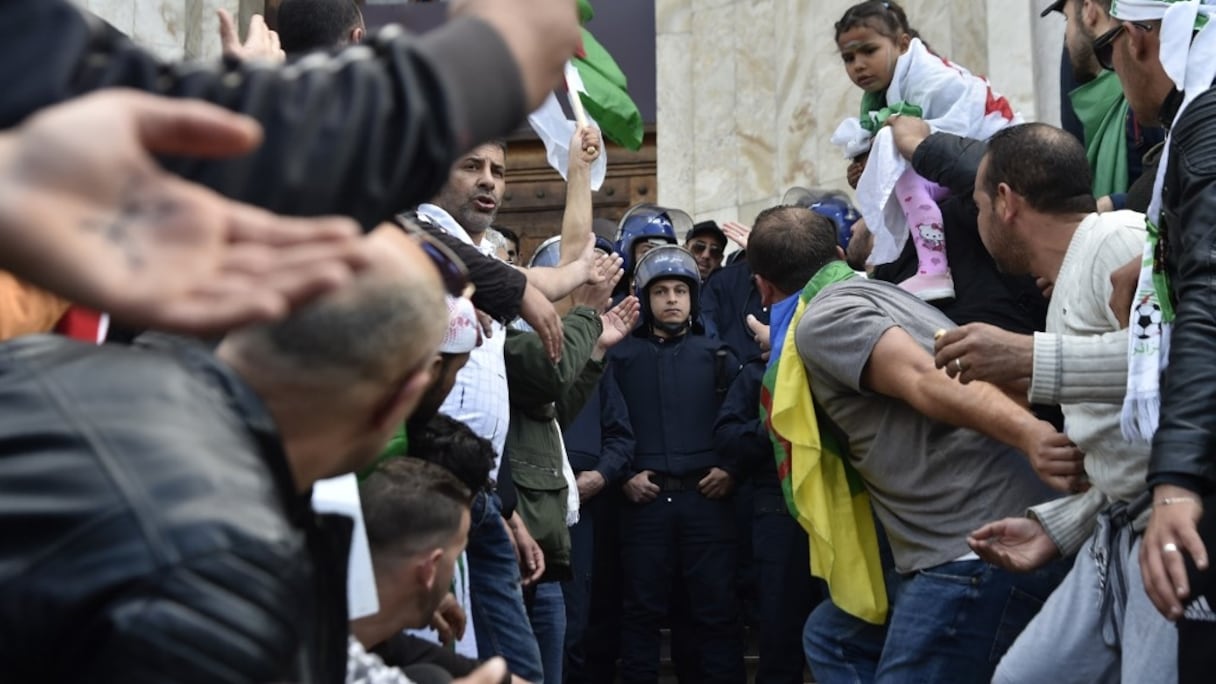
pixel 1191 65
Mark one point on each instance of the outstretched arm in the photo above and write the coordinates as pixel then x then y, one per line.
pixel 900 368
pixel 85 212
pixel 365 133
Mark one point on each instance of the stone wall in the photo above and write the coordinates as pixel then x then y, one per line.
pixel 173 29
pixel 749 91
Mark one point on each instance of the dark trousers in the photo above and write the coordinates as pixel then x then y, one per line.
pixel 787 591
pixel 1197 627
pixel 681 536
pixel 593 596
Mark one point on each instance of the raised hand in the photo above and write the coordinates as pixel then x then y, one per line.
pixel 606 272
pixel 585 147
pixel 619 321
pixel 87 213
pixel 737 233
pixel 260 41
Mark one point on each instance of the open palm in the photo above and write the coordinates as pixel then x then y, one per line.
pixel 1017 544
pixel 619 321
pixel 90 215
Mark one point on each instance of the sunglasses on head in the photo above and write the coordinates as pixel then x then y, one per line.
pixel 1104 45
pixel 452 271
pixel 697 247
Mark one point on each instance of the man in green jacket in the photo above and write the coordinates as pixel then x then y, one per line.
pixel 540 392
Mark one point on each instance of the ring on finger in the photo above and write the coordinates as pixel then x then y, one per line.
pixel 958 363
pixel 1170 548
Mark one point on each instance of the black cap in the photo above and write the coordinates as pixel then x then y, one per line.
pixel 707 228
pixel 1057 6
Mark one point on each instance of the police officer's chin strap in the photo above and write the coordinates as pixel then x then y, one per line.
pixel 672 329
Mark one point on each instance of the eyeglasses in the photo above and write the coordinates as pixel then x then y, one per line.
pixel 697 247
pixel 1104 45
pixel 452 271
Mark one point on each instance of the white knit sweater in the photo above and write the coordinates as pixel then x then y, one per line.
pixel 1081 363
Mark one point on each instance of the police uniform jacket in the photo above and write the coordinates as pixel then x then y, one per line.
pixel 673 388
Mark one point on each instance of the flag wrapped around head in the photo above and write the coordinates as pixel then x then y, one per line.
pixel 1188 56
pixel 822 490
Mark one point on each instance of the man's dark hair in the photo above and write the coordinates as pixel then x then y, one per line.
pixel 454 446
pixel 886 17
pixel 308 25
pixel 789 244
pixel 510 235
pixel 1044 164
pixel 411 506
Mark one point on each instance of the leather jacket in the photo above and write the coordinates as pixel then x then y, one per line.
pixel 365 133
pixel 150 528
pixel 1184 448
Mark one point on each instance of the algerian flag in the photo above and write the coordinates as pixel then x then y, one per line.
pixel 603 92
pixel 556 131
pixel 606 90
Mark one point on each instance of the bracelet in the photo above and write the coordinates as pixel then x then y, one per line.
pixel 1171 500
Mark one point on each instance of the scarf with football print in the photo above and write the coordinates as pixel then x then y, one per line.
pixel 1188 56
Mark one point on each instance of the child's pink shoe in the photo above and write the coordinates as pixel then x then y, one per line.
pixel 930 286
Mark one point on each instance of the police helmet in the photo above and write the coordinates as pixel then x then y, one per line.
pixel 668 261
pixel 549 254
pixel 831 204
pixel 648 221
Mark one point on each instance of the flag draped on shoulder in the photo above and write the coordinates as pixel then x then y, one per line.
pixel 822 490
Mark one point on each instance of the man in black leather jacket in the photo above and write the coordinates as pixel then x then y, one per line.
pixel 155 521
pixel 1175 554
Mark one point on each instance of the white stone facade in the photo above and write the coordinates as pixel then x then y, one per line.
pixel 749 91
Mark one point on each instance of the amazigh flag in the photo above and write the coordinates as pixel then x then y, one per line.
pixel 606 94
pixel 822 490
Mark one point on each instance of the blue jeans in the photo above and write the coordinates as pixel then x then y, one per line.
pixel 500 621
pixel 949 623
pixel 548 617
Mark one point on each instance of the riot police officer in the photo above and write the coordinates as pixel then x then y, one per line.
pixel 677 525
pixel 644 227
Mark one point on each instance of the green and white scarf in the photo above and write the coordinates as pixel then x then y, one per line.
pixel 1191 65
